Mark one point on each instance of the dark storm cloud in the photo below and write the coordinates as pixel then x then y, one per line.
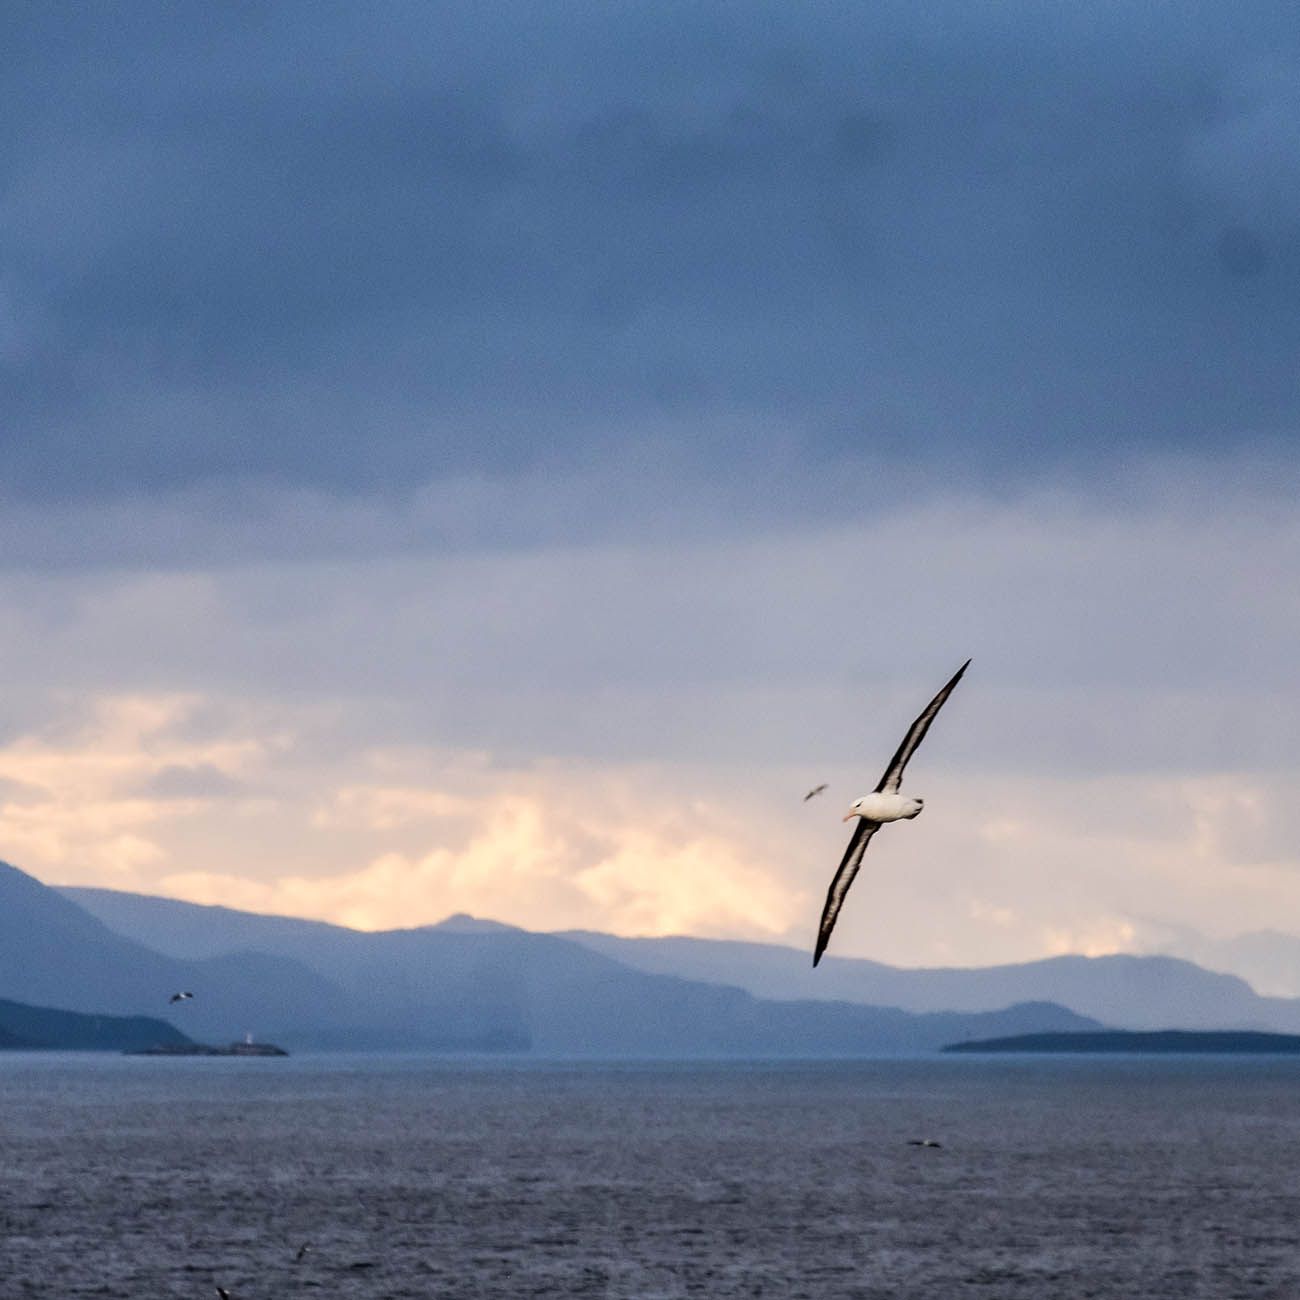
pixel 354 249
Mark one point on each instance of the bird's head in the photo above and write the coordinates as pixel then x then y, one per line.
pixel 855 810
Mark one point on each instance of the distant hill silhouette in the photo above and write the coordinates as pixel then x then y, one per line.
pixel 1161 1042
pixel 1130 992
pixel 1268 959
pixel 54 954
pixel 47 1027
pixel 468 983
pixel 1126 991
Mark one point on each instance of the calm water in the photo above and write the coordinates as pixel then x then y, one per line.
pixel 415 1177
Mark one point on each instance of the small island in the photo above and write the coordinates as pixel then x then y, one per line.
pixel 1141 1042
pixel 245 1048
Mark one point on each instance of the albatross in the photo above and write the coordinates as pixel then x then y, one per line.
pixel 873 810
pixel 179 997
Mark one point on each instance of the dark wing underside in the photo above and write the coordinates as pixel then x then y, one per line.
pixel 865 829
pixel 849 865
pixel 893 777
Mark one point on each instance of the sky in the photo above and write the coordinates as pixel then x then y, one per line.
pixel 496 458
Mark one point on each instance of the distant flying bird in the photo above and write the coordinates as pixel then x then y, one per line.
pixel 924 1142
pixel 885 804
pixel 302 1250
pixel 178 997
pixel 223 1293
pixel 816 790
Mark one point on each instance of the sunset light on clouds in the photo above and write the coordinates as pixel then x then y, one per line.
pixel 648 781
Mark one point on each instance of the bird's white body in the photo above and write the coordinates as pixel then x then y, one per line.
pixel 885 807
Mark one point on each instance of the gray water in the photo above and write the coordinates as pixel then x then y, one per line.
pixel 417 1177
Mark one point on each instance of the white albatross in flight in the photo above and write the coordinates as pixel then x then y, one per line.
pixel 873 810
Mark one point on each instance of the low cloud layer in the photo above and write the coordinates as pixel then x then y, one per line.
pixel 1105 639
pixel 618 737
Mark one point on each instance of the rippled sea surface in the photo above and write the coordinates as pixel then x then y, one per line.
pixel 140 1177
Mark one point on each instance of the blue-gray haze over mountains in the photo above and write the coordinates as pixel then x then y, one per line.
pixel 1121 991
pixel 448 989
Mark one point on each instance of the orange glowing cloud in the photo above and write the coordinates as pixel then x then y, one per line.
pixel 239 803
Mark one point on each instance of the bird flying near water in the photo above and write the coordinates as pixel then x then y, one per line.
pixel 179 997
pixel 873 810
pixel 816 790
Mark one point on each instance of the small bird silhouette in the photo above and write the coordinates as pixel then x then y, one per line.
pixel 924 1142
pixel 302 1250
pixel 223 1293
pixel 816 790
pixel 179 997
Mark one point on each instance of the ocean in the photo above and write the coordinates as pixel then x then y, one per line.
pixel 422 1177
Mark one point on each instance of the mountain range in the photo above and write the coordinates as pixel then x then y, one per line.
pixel 460 985
pixel 467 984
pixel 1123 991
pixel 1268 959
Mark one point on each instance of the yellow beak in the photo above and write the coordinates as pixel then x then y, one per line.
pixel 849 816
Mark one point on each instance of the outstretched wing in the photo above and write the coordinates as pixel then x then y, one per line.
pixel 849 865
pixel 893 777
